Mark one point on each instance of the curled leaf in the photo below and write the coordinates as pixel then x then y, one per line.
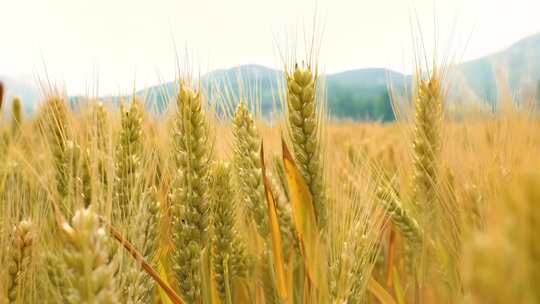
pixel 303 213
pixel 277 248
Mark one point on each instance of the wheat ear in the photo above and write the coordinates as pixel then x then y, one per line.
pixel 190 207
pixel 16 116
pixel 19 258
pixel 88 260
pixel 304 131
pixel 139 285
pixel 248 167
pixel 426 142
pixel 128 163
pixel 228 250
pixel 404 222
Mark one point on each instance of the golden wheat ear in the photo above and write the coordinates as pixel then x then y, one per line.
pixel 19 258
pixel 304 125
pixel 173 296
pixel 16 115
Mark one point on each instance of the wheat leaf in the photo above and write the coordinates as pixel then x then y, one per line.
pixel 303 214
pixel 277 248
pixel 379 292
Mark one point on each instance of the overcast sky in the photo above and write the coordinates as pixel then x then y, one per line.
pixel 130 42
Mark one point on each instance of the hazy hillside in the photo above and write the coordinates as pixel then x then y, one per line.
pixel 251 80
pixel 360 93
pixel 363 93
pixel 356 94
pixel 518 65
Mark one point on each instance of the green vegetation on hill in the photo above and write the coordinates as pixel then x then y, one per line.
pixel 357 94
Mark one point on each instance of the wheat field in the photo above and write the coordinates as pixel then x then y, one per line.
pixel 119 205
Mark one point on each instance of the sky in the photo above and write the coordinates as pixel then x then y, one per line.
pixel 112 46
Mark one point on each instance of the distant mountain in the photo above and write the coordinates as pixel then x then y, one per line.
pixel 517 66
pixel 363 93
pixel 356 94
pixel 360 93
pixel 246 79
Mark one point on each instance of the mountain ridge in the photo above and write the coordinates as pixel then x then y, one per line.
pixel 363 93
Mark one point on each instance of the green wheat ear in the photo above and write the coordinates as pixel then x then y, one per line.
pixel 229 259
pixel 135 206
pixel 128 162
pixel 304 131
pixel 248 167
pixel 100 137
pixel 190 206
pixel 138 287
pixel 87 257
